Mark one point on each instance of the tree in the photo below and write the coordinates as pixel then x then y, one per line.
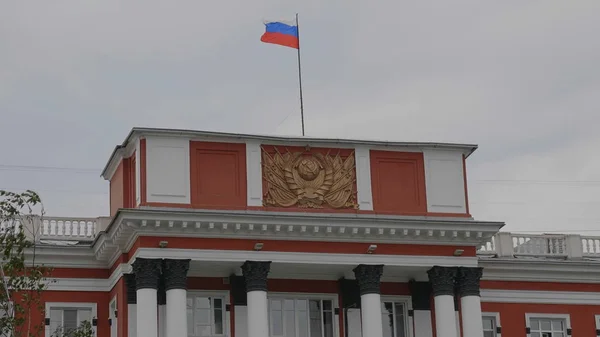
pixel 22 279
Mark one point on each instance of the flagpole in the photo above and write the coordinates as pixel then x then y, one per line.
pixel 300 76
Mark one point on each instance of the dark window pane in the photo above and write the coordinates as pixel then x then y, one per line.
pixel 387 322
pixel 218 321
pixel 400 324
pixel 315 318
pixel 328 324
pixel 327 305
pixel 487 323
pixel 69 319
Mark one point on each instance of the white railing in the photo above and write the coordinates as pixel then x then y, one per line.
pixel 591 246
pixel 539 245
pixel 569 246
pixel 56 228
pixel 59 228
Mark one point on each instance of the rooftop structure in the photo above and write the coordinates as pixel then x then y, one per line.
pixel 246 235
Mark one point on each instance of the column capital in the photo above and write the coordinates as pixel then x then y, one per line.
pixel 175 273
pixel 255 273
pixel 442 280
pixel 147 273
pixel 468 281
pixel 130 285
pixel 368 278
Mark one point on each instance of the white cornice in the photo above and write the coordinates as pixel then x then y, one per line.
pixel 543 297
pixel 540 270
pixel 129 224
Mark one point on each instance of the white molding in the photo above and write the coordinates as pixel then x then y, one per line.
pixel 254 173
pixel 523 270
pixel 362 156
pixel 138 172
pixel 496 316
pixel 79 284
pixel 88 284
pixel 210 293
pixel 541 297
pixel 529 316
pixel 305 258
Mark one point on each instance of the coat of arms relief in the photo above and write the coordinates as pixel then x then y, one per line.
pixel 309 180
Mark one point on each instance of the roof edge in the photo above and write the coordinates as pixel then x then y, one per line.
pixel 138 131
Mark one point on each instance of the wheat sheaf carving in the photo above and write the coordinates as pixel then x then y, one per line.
pixel 309 180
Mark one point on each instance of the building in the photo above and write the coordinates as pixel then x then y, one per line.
pixel 215 234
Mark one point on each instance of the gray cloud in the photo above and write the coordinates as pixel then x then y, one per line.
pixel 520 78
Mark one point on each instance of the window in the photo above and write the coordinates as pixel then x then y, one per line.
pixel 301 317
pixel 546 325
pixel 491 322
pixel 62 318
pixel 112 316
pixel 206 315
pixel 393 318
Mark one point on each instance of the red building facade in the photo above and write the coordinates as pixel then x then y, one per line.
pixel 215 234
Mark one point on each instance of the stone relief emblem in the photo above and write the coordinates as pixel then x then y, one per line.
pixel 309 180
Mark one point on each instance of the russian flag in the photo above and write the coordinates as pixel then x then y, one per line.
pixel 281 33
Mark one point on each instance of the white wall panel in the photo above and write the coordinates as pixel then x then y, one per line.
pixel 363 178
pixel 168 170
pixel 241 321
pixel 254 173
pixel 444 181
pixel 423 324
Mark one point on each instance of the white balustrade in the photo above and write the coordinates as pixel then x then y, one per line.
pixel 488 247
pixel 570 246
pixel 57 228
pixel 539 245
pixel 591 246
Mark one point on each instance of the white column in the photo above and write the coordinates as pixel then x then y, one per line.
pixel 470 301
pixel 131 305
pixel 147 313
pixel 370 306
pixel 147 272
pixel 176 288
pixel 176 313
pixel 369 281
pixel 442 282
pixel 258 322
pixel 445 318
pixel 255 274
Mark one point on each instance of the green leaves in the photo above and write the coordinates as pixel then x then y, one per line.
pixel 22 280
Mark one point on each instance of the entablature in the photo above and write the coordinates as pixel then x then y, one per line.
pixel 128 225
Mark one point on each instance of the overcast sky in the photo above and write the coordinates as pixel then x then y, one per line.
pixel 520 78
